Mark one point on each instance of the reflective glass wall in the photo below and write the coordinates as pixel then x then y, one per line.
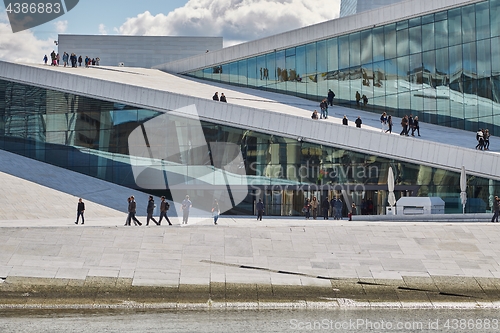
pixel 442 67
pixel 90 136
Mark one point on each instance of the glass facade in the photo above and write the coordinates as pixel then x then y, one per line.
pixel 442 67
pixel 90 136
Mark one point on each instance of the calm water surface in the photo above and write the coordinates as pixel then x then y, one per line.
pixel 232 321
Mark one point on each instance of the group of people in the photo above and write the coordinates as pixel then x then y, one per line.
pixel 483 139
pixel 132 209
pixel 409 123
pixel 73 59
pixel 332 207
pixel 222 98
pixel 359 98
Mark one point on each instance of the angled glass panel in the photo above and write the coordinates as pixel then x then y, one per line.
pixel 243 72
pixel 468 23
pixel 441 33
pixel 291 69
pixel 270 72
pixel 233 72
pixel 482 20
pixel 415 34
pixel 495 17
pixel 261 68
pixel 390 41
pixel 428 40
pixel 378 44
pixel 343 52
pixel 322 69
pixel 281 73
pixel 379 83
pixel 302 73
pixel 484 69
pixel 455 26
pixel 252 72
pixel 355 49
pixel 403 45
pixel 428 82
pixel 366 47
pixel 469 61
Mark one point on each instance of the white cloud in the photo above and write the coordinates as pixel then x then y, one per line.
pixel 61 26
pixel 235 20
pixel 22 46
pixel 102 29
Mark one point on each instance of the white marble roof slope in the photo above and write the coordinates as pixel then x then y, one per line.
pixel 283 115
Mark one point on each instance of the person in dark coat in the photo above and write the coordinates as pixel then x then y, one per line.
pixel 325 207
pixel 215 97
pixel 132 208
pixel 345 121
pixel 331 95
pixel 150 209
pixel 260 210
pixel 223 98
pixel 80 209
pixel 164 207
pixel 358 122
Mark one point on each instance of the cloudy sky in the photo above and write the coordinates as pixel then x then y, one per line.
pixel 235 20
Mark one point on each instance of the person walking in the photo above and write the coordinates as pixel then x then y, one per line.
pixel 331 96
pixel 324 109
pixel 416 127
pixel 223 98
pixel 325 207
pixel 358 97
pixel 338 209
pixel 480 139
pixel 404 126
pixel 353 211
pixel 164 207
pixel 260 210
pixel 65 59
pixel 496 209
pixel 332 206
pixel 215 211
pixel 80 209
pixel 80 59
pixel 215 97
pixel 383 122
pixel 149 210
pixel 307 209
pixel 358 122
pixel 45 59
pixel 486 139
pixel 389 124
pixel 314 207
pixel 132 208
pixel 186 205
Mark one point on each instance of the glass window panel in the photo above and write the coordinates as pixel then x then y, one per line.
pixel 403 87
pixel 367 83
pixel 252 72
pixel 333 54
pixel 416 80
pixel 378 44
pixel 403 47
pixel 468 23
pixel 482 20
pixel 302 73
pixel 428 40
pixel 484 68
pixel 428 19
pixel 455 26
pixel 428 81
pixel 440 16
pixel 391 100
pixel 233 72
pixel 415 39
pixel 355 49
pixel 321 57
pixel 469 60
pixel 261 70
pixel 225 73
pixel 495 17
pixel 401 25
pixel 242 72
pixel 281 74
pixel 343 52
pixel 270 74
pixel 366 46
pixel 390 41
pixel 417 21
pixel 291 72
pixel 441 34
pixel 379 83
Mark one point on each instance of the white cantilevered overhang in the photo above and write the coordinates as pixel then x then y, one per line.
pixel 259 111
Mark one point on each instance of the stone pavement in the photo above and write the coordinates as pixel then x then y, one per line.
pixel 242 261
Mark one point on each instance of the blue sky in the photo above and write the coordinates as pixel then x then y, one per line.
pixel 236 21
pixel 86 17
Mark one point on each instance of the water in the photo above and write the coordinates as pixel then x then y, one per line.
pixel 345 320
